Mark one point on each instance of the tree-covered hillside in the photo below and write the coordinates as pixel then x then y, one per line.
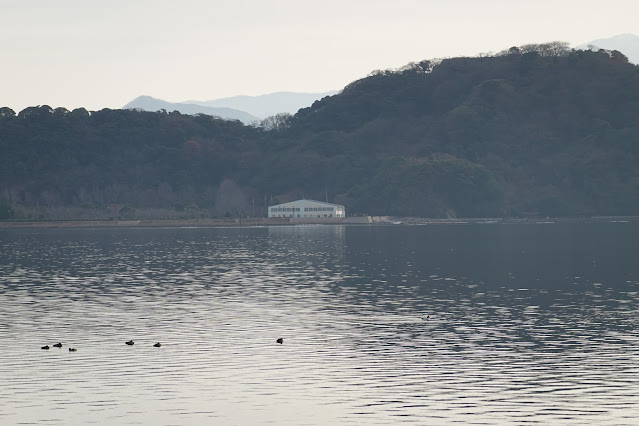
pixel 535 130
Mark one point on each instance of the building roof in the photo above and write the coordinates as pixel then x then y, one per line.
pixel 305 199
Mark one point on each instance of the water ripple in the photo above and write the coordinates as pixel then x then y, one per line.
pixel 505 340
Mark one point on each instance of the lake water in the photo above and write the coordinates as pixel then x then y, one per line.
pixel 528 324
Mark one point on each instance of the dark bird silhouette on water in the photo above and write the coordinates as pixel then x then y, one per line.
pixel 158 344
pixel 45 347
pixel 58 345
pixel 73 350
pixel 130 342
pixel 280 340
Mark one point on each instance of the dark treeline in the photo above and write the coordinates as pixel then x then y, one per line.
pixel 539 130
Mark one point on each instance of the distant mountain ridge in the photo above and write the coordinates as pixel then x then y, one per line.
pixel 267 105
pixel 628 44
pixel 148 103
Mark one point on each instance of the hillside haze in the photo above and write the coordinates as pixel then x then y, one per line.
pixel 247 109
pixel 533 131
pixel 148 103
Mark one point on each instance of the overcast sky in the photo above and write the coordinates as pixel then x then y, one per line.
pixel 102 54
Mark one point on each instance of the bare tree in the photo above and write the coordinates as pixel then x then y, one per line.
pixel 277 122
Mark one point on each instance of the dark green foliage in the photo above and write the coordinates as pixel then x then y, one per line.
pixel 116 156
pixel 535 130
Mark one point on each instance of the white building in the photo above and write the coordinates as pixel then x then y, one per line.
pixel 307 208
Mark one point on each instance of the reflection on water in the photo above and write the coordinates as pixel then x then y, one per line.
pixel 526 324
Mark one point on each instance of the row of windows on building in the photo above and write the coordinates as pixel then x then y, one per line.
pixel 319 209
pixel 285 209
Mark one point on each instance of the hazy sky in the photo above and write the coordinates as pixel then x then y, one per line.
pixel 99 54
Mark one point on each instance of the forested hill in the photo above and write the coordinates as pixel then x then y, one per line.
pixel 539 130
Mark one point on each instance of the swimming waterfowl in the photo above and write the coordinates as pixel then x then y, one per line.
pixel 280 340
pixel 45 347
pixel 73 350
pixel 158 344
pixel 57 345
pixel 130 343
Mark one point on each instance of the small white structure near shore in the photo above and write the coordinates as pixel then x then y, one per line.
pixel 307 208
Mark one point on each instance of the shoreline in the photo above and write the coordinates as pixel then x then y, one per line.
pixel 253 222
pixel 155 223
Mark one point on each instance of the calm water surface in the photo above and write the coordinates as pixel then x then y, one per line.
pixel 528 324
